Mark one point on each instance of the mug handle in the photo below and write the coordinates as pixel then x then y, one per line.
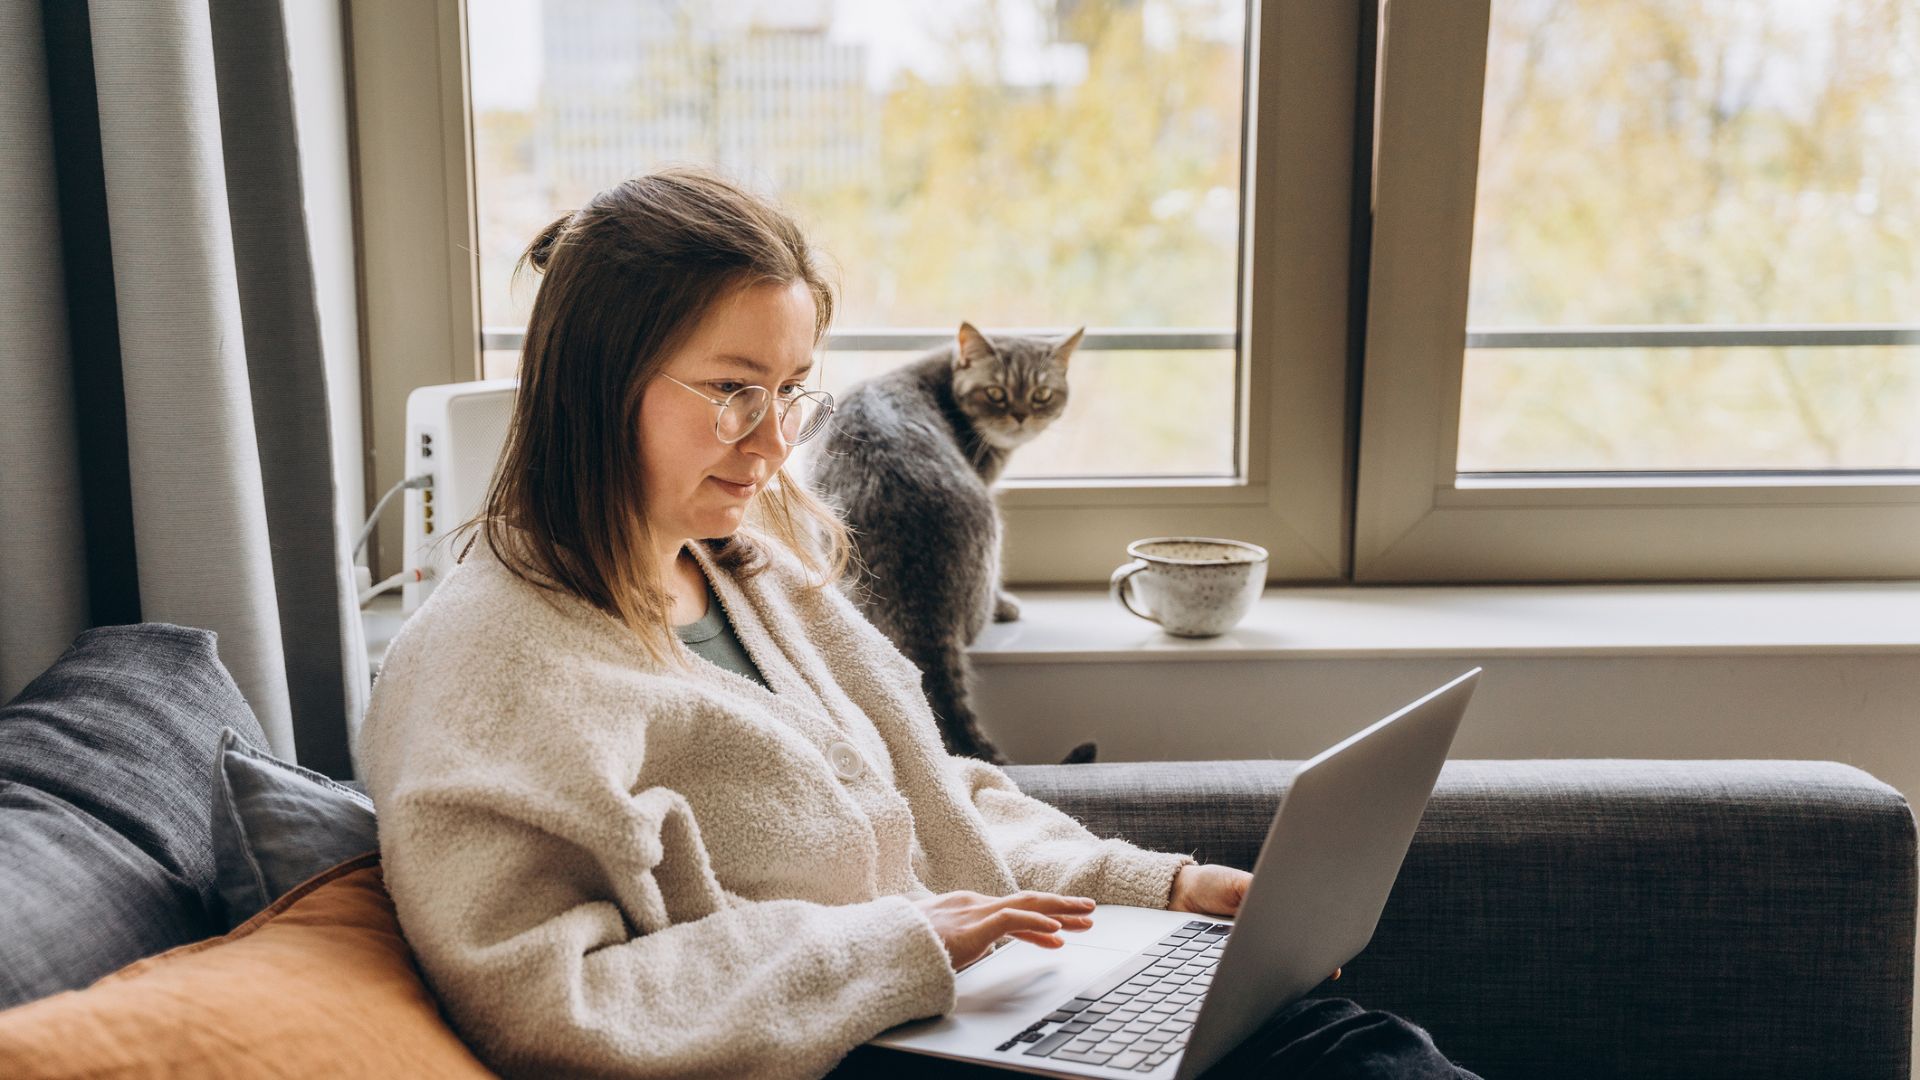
pixel 1118 588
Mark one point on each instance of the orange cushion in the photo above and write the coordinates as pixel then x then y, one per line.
pixel 318 984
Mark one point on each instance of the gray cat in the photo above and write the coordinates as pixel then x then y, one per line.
pixel 909 459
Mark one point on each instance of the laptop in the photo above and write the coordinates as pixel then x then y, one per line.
pixel 1148 992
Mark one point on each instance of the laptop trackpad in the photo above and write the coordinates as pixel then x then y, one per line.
pixel 1021 978
pixel 1002 994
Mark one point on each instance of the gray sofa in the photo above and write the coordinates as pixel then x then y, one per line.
pixel 1554 919
pixel 1573 919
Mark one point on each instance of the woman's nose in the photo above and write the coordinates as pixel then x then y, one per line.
pixel 766 439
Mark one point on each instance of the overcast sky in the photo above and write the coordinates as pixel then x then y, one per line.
pixel 505 37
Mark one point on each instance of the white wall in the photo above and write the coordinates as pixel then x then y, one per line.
pixel 1861 709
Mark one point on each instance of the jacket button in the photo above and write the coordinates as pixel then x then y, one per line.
pixel 847 761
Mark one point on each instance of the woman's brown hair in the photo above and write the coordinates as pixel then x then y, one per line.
pixel 625 280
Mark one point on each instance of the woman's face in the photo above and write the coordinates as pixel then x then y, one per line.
pixel 697 486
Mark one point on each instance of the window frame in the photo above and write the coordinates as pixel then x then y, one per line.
pixel 1416 520
pixel 416 242
pixel 419 253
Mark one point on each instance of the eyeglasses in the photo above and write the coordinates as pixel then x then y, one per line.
pixel 801 416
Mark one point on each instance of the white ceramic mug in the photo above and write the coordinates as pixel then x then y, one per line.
pixel 1193 586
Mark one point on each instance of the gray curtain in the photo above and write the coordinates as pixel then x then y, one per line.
pixel 164 447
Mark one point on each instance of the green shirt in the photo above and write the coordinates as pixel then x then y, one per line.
pixel 711 636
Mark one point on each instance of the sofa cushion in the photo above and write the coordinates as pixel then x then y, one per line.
pixel 276 824
pixel 321 983
pixel 107 762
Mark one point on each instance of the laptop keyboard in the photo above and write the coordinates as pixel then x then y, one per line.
pixel 1138 1015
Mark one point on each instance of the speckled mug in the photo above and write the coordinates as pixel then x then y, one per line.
pixel 1193 586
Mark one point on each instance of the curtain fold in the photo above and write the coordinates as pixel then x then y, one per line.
pixel 43 587
pixel 157 159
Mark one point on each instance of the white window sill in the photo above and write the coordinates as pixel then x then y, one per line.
pixel 1481 621
pixel 1468 622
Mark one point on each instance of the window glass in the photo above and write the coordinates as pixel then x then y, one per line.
pixel 1041 164
pixel 1712 164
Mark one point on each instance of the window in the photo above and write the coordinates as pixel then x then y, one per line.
pixel 1761 167
pixel 973 160
pixel 1020 164
pixel 1633 297
pixel 1662 322
pixel 960 160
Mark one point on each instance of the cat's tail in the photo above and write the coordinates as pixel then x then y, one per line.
pixel 945 677
pixel 1082 754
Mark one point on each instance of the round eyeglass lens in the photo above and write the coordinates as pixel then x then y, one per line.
pixel 803 418
pixel 743 410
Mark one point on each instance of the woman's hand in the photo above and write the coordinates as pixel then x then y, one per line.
pixel 1211 889
pixel 969 922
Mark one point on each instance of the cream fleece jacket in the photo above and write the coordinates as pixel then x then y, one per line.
pixel 607 867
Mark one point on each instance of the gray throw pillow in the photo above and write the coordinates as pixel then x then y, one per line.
pixel 276 824
pixel 106 759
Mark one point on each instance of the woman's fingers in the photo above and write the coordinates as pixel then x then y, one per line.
pixel 1050 903
pixel 1027 925
pixel 1015 919
pixel 1032 916
pixel 968 923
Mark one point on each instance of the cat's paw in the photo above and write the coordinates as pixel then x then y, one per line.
pixel 1005 608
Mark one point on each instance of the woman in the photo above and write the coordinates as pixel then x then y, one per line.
pixel 618 853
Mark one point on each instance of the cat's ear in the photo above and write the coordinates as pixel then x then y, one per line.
pixel 1064 351
pixel 972 345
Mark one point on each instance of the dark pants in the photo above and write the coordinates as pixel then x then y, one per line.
pixel 1311 1039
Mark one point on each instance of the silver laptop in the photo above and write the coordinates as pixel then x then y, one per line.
pixel 1147 992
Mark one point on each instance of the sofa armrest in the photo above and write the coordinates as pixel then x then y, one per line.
pixel 1601 918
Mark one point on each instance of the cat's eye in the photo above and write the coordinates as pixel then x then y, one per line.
pixel 1043 395
pixel 996 395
